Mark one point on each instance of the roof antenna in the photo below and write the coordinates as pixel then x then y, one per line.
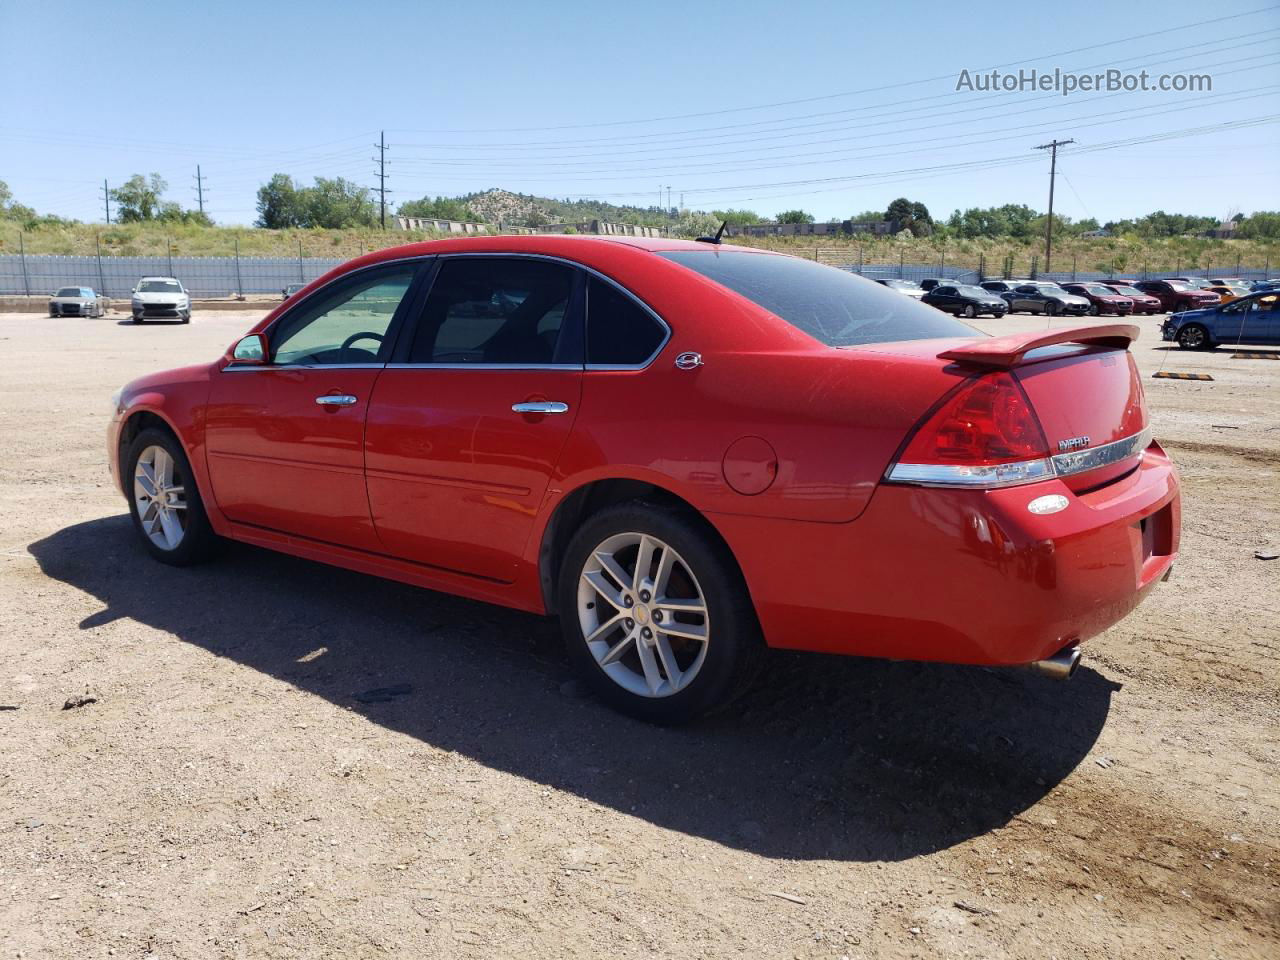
pixel 716 238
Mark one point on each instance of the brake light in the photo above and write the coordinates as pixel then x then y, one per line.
pixel 984 434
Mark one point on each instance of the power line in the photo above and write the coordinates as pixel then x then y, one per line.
pixel 850 93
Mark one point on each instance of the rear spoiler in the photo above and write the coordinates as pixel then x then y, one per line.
pixel 1008 351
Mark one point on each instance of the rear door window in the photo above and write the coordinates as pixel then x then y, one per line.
pixel 506 311
pixel 831 305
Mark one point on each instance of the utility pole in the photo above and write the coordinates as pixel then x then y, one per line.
pixel 1052 147
pixel 668 197
pixel 382 178
pixel 106 199
pixel 199 188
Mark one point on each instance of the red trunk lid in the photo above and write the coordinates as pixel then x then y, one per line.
pixel 1083 386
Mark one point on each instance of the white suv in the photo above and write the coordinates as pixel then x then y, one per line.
pixel 155 297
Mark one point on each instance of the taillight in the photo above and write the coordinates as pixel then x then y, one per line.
pixel 985 434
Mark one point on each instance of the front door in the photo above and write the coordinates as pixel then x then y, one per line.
pixel 285 440
pixel 466 425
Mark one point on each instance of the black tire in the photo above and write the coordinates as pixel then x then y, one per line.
pixel 734 646
pixel 198 540
pixel 1193 336
pixel 137 318
pixel 969 312
pixel 1052 308
pixel 1093 310
pixel 186 318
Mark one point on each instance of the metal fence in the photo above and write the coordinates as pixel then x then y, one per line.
pixel 115 276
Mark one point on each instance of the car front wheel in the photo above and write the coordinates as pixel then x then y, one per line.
pixel 1193 337
pixel 970 312
pixel 655 615
pixel 167 511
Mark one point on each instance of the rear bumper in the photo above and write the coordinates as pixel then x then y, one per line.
pixel 963 576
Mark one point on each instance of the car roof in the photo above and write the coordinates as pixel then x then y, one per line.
pixel 174 279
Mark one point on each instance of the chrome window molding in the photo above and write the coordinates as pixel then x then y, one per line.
pixel 251 367
pixel 1020 472
pixel 563 367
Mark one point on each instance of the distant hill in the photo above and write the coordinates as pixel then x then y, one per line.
pixel 518 209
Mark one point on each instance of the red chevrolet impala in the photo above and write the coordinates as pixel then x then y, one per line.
pixel 688 451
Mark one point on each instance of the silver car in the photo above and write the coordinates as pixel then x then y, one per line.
pixel 156 297
pixel 77 302
pixel 1042 296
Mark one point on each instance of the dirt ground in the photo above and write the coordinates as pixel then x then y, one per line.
pixel 228 794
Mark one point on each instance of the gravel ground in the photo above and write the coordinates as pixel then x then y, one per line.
pixel 228 794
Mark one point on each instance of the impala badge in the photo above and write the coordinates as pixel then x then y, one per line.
pixel 1073 443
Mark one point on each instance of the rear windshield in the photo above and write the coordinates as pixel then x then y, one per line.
pixel 831 305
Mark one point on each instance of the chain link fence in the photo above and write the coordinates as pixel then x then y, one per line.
pixel 28 275
pixel 115 276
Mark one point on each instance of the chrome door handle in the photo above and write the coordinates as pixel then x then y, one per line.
pixel 336 400
pixel 540 406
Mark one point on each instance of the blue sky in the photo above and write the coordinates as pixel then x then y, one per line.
pixel 833 107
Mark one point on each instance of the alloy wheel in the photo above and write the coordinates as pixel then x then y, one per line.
pixel 643 615
pixel 161 497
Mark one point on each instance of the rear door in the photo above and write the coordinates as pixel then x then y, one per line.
pixel 285 440
pixel 467 423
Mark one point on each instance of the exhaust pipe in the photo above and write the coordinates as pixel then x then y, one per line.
pixel 1061 666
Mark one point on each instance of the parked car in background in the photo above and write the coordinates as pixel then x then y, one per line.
pixel 965 300
pixel 290 290
pixel 1000 287
pixel 1103 301
pixel 160 297
pixel 928 283
pixel 1041 296
pixel 1254 319
pixel 908 287
pixel 1266 284
pixel 1229 291
pixel 1175 295
pixel 1142 302
pixel 77 302
pixel 1228 282
pixel 463 415
pixel 1199 283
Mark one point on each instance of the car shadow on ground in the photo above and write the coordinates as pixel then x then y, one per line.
pixel 826 758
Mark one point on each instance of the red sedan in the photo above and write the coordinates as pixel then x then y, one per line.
pixel 1102 299
pixel 687 451
pixel 1142 302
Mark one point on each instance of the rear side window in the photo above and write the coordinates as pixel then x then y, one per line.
pixel 833 306
pixel 620 332
pixel 494 310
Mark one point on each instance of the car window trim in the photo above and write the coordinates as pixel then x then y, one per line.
pixel 393 330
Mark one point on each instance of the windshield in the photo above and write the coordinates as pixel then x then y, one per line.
pixel 831 305
pixel 1128 292
pixel 968 290
pixel 1098 290
pixel 1046 287
pixel 73 292
pixel 159 286
pixel 1179 287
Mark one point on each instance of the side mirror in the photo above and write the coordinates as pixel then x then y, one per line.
pixel 251 351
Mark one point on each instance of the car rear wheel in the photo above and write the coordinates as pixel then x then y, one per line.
pixel 970 312
pixel 1193 337
pixel 164 502
pixel 656 616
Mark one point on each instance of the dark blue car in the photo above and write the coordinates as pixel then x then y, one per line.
pixel 1253 319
